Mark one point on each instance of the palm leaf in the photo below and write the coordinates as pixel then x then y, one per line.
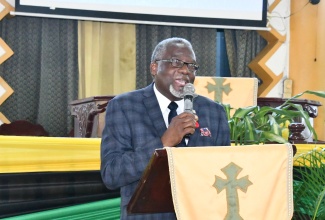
pixel 320 202
pixel 309 185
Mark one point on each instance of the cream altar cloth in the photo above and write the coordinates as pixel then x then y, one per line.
pixel 238 182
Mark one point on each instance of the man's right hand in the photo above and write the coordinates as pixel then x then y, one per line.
pixel 180 125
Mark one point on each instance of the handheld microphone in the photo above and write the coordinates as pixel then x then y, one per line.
pixel 189 94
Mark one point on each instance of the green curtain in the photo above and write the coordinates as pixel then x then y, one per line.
pixel 43 71
pixel 148 36
pixel 106 209
pixel 242 47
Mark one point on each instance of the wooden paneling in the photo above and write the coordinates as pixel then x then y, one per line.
pixel 307 54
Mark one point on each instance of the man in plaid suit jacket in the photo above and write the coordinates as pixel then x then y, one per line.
pixel 136 122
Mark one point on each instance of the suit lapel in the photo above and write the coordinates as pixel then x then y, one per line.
pixel 151 104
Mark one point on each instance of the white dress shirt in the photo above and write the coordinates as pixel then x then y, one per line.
pixel 163 104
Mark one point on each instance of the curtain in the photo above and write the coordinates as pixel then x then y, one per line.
pixel 43 71
pixel 242 47
pixel 148 36
pixel 106 58
pixel 23 193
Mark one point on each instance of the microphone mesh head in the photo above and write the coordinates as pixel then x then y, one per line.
pixel 189 89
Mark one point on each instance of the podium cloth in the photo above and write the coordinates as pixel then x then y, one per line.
pixel 237 182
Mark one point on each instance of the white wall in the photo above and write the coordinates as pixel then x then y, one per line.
pixel 279 19
pixel 11 2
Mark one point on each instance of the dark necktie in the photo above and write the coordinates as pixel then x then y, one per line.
pixel 172 106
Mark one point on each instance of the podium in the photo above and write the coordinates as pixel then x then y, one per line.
pixel 153 194
pixel 218 183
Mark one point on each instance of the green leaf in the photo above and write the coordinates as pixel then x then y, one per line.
pixel 269 136
pixel 319 200
pixel 305 116
pixel 309 184
pixel 242 112
pixel 317 93
pixel 275 128
pixel 227 109
pixel 249 129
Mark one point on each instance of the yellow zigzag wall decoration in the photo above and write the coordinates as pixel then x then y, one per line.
pixel 5 8
pixel 258 64
pixel 5 53
pixel 273 5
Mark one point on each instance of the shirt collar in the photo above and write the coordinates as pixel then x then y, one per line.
pixel 164 101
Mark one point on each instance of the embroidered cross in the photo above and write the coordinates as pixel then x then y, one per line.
pixel 218 88
pixel 231 184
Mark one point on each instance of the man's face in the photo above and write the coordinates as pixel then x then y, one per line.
pixel 170 80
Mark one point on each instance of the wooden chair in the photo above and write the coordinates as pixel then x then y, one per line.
pixel 23 128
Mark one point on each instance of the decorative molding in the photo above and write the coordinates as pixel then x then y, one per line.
pixel 3 119
pixel 273 5
pixel 258 65
pixel 5 90
pixel 270 79
pixel 5 51
pixel 5 8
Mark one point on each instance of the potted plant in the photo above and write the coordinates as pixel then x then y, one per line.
pixel 255 124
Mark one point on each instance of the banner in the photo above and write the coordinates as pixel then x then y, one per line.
pixel 236 91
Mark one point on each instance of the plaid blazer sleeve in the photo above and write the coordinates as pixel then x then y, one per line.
pixel 126 145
